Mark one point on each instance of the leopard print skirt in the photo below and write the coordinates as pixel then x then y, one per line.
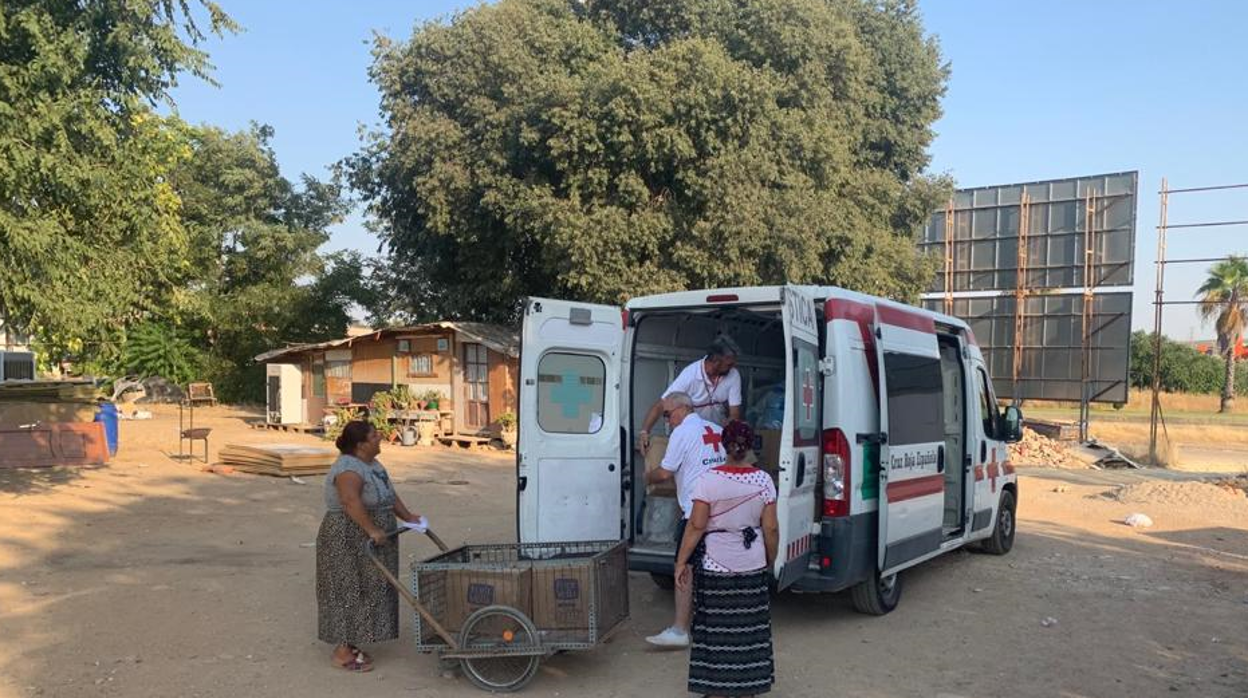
pixel 355 604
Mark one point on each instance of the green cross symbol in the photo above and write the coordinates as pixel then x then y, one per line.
pixel 570 394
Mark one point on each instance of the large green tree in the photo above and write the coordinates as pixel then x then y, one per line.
pixel 1224 300
pixel 90 234
pixel 254 277
pixel 608 148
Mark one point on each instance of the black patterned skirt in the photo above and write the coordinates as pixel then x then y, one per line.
pixel 355 604
pixel 731 653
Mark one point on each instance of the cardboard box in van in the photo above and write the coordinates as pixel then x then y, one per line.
pixel 767 445
pixel 658 447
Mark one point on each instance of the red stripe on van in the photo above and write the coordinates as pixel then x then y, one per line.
pixel 864 316
pixel 913 489
pixel 909 319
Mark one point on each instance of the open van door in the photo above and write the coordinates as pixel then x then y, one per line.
pixel 568 449
pixel 912 439
pixel 799 442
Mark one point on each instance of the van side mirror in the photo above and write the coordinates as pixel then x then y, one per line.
pixel 1012 423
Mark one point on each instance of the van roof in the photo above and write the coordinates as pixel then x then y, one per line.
pixel 766 295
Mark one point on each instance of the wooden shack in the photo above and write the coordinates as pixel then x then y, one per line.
pixel 474 365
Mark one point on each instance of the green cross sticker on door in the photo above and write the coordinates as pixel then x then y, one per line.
pixel 570 395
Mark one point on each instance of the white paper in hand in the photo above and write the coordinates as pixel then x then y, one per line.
pixel 419 526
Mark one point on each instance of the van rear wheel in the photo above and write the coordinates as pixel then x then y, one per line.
pixel 878 595
pixel 666 582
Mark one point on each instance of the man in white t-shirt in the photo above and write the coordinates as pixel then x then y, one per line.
pixel 712 382
pixel 694 447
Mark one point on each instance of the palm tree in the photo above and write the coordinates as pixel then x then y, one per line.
pixel 1224 299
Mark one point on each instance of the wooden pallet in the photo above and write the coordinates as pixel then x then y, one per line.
pixel 1061 431
pixel 464 440
pixel 297 428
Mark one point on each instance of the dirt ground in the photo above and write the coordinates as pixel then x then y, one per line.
pixel 152 578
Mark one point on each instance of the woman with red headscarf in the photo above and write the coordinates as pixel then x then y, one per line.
pixel 734 506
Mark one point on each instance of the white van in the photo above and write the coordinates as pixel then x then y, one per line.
pixel 826 415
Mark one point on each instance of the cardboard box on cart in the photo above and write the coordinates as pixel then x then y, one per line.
pixel 468 590
pixel 563 595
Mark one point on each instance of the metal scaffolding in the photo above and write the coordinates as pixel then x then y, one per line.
pixel 1020 295
pixel 1157 421
pixel 949 231
pixel 1089 287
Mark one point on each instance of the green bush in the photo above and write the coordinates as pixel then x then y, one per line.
pixel 157 349
pixel 1183 369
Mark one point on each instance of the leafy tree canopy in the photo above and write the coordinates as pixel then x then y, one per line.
pixel 609 148
pixel 90 237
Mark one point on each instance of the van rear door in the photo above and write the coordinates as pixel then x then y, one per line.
pixel 799 442
pixel 568 449
pixel 912 457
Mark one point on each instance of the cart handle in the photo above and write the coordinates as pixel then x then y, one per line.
pixel 370 551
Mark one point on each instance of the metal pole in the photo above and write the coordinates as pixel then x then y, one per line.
pixel 1159 298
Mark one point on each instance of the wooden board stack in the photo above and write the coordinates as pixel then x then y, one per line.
pixel 281 460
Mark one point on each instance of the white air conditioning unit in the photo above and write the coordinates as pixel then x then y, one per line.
pixel 285 394
pixel 17 365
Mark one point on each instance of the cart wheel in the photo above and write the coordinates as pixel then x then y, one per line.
pixel 499 628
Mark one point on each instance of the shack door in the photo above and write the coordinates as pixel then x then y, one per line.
pixel 476 387
pixel 799 442
pixel 912 450
pixel 569 483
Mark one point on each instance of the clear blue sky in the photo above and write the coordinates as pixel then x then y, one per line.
pixel 1038 90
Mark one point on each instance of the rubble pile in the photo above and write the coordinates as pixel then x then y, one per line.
pixel 1199 494
pixel 1038 450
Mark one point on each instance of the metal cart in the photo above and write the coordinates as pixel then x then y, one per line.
pixel 500 608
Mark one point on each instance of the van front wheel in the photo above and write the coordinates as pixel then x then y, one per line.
pixel 878 595
pixel 666 582
pixel 1002 539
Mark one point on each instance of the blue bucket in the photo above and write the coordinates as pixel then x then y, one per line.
pixel 107 414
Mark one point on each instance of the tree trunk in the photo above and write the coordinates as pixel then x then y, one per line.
pixel 1228 387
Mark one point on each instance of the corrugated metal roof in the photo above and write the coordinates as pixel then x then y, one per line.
pixel 503 340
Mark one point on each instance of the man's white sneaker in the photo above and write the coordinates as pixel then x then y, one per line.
pixel 673 638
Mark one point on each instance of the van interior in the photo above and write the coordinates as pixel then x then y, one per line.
pixel 665 342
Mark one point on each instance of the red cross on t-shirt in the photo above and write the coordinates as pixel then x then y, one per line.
pixel 712 438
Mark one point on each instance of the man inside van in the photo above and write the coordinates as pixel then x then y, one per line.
pixel 694 447
pixel 712 382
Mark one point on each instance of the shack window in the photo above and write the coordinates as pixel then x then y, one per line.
pixel 318 376
pixel 916 408
pixel 338 369
pixel 570 393
pixel 420 365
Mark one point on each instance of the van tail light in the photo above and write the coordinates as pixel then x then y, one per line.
pixel 624 317
pixel 836 473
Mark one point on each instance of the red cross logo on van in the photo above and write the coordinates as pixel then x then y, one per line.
pixel 712 439
pixel 808 395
